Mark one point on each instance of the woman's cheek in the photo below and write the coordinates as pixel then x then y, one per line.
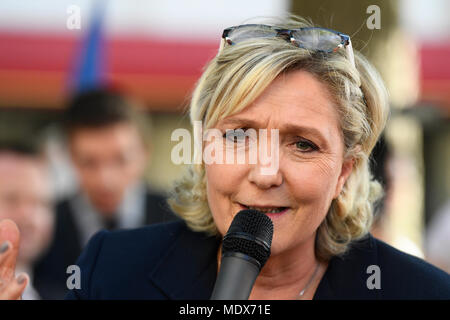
pixel 306 180
pixel 219 191
pixel 223 178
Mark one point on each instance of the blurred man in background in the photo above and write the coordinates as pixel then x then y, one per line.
pixel 25 198
pixel 110 154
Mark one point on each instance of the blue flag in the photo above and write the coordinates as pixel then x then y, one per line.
pixel 90 64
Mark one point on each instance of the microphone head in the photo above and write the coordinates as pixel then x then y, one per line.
pixel 250 233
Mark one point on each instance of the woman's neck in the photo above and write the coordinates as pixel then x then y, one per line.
pixel 286 274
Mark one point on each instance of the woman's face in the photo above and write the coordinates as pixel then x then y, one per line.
pixel 311 169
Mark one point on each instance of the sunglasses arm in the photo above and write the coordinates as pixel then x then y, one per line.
pixel 350 54
pixel 222 44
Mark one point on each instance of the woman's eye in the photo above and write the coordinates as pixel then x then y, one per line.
pixel 305 146
pixel 236 135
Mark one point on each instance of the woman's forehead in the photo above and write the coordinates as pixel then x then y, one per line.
pixel 296 99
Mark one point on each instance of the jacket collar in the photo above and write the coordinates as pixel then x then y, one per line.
pixel 195 277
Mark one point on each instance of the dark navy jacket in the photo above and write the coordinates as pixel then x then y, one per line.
pixel 169 261
pixel 50 271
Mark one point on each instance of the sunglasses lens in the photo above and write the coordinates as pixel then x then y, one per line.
pixel 249 32
pixel 317 39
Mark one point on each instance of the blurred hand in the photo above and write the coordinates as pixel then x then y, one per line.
pixel 11 287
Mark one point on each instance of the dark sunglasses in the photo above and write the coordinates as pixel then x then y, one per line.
pixel 310 38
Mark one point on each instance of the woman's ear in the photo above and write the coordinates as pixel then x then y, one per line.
pixel 346 170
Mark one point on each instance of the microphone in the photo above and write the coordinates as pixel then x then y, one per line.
pixel 245 250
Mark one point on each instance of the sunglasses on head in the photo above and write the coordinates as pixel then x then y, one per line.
pixel 310 38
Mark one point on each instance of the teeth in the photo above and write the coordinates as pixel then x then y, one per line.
pixel 268 210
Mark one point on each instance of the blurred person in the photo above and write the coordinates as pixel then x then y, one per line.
pixel 25 198
pixel 381 163
pixel 109 153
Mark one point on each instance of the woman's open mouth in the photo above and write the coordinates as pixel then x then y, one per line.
pixel 271 212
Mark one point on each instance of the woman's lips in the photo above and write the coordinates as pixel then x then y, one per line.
pixel 277 214
pixel 271 215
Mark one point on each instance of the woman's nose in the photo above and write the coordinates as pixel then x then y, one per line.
pixel 265 179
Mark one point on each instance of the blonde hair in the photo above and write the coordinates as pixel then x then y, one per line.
pixel 240 73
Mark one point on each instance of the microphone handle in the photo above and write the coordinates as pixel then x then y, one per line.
pixel 236 277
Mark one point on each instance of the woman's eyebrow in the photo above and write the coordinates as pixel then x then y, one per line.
pixel 240 121
pixel 286 128
pixel 289 128
pixel 299 129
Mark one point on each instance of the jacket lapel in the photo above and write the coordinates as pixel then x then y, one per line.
pixel 189 268
pixel 346 276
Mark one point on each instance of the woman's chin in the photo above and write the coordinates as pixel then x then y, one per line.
pixel 277 248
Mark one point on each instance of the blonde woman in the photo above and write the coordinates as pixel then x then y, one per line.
pixel 327 106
